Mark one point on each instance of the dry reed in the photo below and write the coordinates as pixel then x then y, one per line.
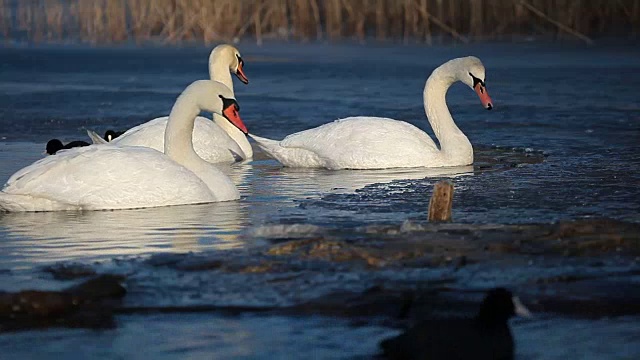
pixel 208 21
pixel 5 20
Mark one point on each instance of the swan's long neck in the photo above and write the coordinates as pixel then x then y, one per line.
pixel 178 142
pixel 455 147
pixel 178 138
pixel 219 71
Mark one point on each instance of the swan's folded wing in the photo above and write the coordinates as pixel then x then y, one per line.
pixel 360 139
pixel 214 144
pixel 53 176
pixel 210 141
pixel 38 168
pixel 149 134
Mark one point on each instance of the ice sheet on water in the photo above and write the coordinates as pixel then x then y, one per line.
pixel 284 231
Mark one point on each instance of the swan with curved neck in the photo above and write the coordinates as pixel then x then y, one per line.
pixel 224 60
pixel 126 177
pixel 217 141
pixel 378 143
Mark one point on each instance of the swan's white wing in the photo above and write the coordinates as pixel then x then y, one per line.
pixel 213 144
pixel 210 141
pixel 109 177
pixel 149 134
pixel 364 142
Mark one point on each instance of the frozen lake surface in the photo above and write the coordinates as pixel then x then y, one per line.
pixel 561 143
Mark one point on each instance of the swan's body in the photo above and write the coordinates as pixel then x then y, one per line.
pixel 120 177
pixel 84 179
pixel 217 141
pixel 209 141
pixel 378 143
pixel 352 143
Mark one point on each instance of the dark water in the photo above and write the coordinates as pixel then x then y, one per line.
pixel 562 142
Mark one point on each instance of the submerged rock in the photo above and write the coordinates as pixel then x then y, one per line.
pixel 70 271
pixel 84 305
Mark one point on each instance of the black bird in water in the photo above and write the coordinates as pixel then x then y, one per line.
pixel 55 145
pixel 111 134
pixel 486 336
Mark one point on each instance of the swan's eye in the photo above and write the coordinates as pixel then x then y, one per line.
pixel 229 103
pixel 476 81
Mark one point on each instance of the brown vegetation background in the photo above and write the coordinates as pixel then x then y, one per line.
pixel 208 21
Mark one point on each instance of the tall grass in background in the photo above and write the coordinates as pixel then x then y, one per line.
pixel 208 21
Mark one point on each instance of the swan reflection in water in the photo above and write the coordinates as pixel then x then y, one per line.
pixel 273 193
pixel 345 181
pixel 64 235
pixel 266 188
pixel 272 178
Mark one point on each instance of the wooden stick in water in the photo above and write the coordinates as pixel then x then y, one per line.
pixel 441 202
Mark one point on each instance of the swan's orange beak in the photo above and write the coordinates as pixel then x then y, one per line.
pixel 483 95
pixel 240 71
pixel 231 113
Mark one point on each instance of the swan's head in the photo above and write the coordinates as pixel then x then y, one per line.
pixel 471 72
pixel 231 56
pixel 231 112
pixel 217 98
pixel 53 146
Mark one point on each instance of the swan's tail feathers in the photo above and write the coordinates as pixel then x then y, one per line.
pixel 267 145
pixel 22 203
pixel 288 156
pixel 97 139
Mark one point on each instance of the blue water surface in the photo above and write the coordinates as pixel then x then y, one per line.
pixel 574 108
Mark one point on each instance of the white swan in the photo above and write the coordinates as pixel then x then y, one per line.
pixel 378 143
pixel 217 141
pixel 102 177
